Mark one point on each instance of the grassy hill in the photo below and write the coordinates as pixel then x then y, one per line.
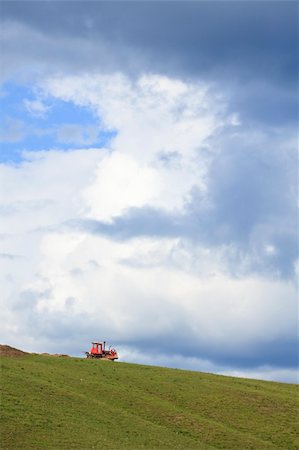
pixel 71 403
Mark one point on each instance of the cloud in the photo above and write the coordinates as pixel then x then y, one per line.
pixel 78 135
pixel 154 115
pixel 12 130
pixel 36 107
pixel 225 34
pixel 246 203
pixel 33 200
pixel 9 256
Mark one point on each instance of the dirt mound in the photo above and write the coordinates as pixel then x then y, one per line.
pixel 6 350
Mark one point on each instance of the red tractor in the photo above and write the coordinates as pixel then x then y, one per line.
pixel 98 350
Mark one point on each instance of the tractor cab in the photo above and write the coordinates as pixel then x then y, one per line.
pixel 97 348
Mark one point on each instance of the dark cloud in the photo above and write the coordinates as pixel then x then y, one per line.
pixel 192 35
pixel 275 353
pixel 250 47
pixel 262 101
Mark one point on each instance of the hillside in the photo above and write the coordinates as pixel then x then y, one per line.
pixel 71 403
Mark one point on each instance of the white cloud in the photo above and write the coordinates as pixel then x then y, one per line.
pixel 153 116
pixel 270 249
pixel 45 189
pixel 235 313
pixel 119 183
pixel 154 113
pixel 36 107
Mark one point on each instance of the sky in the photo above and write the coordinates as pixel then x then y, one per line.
pixel 148 182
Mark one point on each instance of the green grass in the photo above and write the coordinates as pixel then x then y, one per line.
pixel 72 403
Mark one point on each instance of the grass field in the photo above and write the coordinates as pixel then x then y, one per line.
pixel 71 403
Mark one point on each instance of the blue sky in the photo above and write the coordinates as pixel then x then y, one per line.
pixel 149 181
pixel 33 122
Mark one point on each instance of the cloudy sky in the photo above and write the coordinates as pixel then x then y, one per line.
pixel 149 181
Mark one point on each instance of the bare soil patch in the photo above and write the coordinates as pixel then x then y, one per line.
pixel 6 350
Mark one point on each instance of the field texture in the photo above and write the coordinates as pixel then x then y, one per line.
pixel 52 402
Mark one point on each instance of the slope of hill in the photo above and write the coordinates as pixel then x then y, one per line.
pixel 73 403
